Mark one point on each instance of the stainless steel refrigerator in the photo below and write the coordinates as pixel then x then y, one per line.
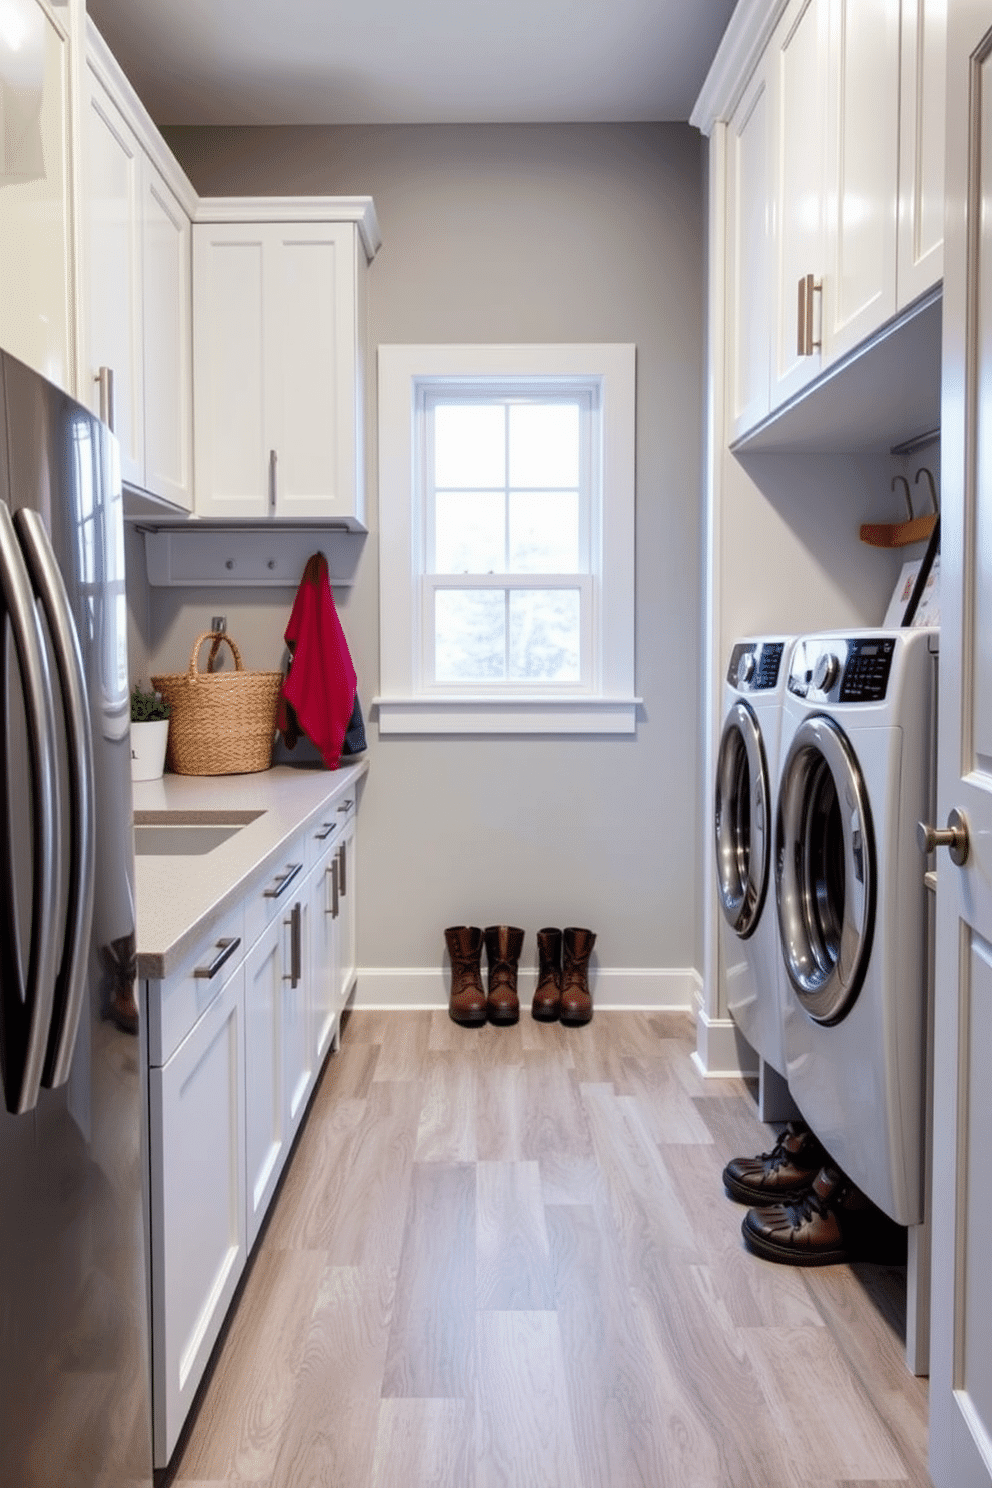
pixel 75 1393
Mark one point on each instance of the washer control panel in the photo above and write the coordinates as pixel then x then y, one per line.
pixel 754 665
pixel 841 670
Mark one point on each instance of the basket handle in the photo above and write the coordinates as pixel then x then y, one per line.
pixel 192 671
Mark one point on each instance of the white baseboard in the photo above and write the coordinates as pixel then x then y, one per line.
pixel 638 989
pixel 721 1051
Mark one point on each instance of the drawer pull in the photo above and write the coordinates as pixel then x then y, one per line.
pixel 283 881
pixel 225 950
pixel 346 805
pixel 328 827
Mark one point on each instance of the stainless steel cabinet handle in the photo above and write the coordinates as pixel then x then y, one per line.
pixel 273 481
pixel 333 871
pixel 346 805
pixel 225 950
pixel 295 945
pixel 343 868
pixel 70 986
pixel 26 1009
pixel 283 881
pixel 329 828
pixel 108 404
pixel 808 287
pixel 954 837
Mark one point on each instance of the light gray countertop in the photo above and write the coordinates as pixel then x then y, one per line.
pixel 180 898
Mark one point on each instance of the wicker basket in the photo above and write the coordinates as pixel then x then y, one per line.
pixel 221 723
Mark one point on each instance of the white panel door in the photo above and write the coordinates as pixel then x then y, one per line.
pixel 168 353
pixel 196 1141
pixel 922 109
pixel 310 391
pixel 749 257
pixel 295 1040
pixel 323 979
pixel 862 172
pixel 347 940
pixel 231 347
pixel 798 78
pixel 266 1138
pixel 961 1338
pixel 113 260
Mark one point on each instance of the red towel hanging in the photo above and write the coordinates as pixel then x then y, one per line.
pixel 318 695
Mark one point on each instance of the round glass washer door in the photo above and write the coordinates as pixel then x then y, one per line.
pixel 824 870
pixel 742 821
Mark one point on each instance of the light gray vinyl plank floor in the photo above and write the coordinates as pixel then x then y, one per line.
pixel 503 1258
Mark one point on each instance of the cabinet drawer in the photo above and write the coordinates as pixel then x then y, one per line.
pixel 277 891
pixel 175 1004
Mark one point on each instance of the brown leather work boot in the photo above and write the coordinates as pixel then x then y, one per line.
pixel 503 946
pixel 546 1006
pixel 781 1176
pixel 576 999
pixel 832 1222
pixel 467 1004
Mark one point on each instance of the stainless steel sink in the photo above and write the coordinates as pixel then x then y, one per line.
pixel 186 833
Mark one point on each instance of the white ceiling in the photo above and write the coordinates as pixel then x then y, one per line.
pixel 400 62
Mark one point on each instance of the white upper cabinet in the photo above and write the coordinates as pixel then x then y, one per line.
pixel 921 148
pixel 749 247
pixel 279 358
pixel 862 172
pixel 137 327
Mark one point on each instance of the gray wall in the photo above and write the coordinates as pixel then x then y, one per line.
pixel 520 233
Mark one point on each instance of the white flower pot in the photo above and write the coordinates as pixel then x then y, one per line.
pixel 148 742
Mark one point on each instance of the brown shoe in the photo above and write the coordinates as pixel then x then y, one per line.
pixel 576 999
pixel 546 1006
pixel 832 1222
pixel 503 946
pixel 781 1176
pixel 467 1004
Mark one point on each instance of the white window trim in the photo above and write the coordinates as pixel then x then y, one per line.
pixel 404 706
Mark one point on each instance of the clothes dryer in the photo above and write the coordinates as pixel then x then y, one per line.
pixel 856 777
pixel 744 805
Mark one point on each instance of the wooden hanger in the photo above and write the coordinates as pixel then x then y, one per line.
pixel 913 530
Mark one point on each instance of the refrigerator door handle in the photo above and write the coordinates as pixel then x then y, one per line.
pixel 71 982
pixel 26 1010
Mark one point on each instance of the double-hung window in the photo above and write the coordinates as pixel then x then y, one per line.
pixel 506 538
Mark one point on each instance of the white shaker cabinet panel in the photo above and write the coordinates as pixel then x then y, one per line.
pixel 266 1137
pixel 346 911
pixel 323 900
pixel 168 351
pixel 298 1070
pixel 199 1245
pixel 862 172
pixel 798 81
pixel 923 103
pixel 749 256
pixel 113 257
pixel 278 330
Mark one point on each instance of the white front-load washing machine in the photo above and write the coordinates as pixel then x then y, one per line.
pixel 856 777
pixel 744 806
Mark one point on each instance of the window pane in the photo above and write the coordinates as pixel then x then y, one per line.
pixel 544 532
pixel 470 635
pixel 469 445
pixel 544 444
pixel 469 532
pixel 544 634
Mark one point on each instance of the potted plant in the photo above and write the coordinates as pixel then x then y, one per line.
pixel 149 734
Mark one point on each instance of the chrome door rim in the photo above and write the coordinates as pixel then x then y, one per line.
pixel 742 821
pixel 824 870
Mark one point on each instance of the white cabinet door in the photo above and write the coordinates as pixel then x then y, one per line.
pixel 862 172
pixel 277 358
pixel 922 106
pixel 196 1141
pixel 266 1139
pixel 323 980
pixel 798 82
pixel 113 259
pixel 37 300
pixel 346 913
pixel 167 343
pixel 749 256
pixel 961 1340
pixel 298 1071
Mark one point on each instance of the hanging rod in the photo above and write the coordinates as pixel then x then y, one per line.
pixel 920 441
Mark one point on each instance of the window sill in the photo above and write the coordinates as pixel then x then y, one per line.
pixel 506 715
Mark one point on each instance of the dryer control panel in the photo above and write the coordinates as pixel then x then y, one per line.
pixel 754 665
pixel 835 669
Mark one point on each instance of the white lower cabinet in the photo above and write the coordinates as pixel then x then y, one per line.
pixel 236 1039
pixel 198 1222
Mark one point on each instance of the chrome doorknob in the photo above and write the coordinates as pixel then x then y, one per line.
pixel 954 837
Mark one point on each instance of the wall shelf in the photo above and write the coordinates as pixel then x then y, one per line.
pixel 208 555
